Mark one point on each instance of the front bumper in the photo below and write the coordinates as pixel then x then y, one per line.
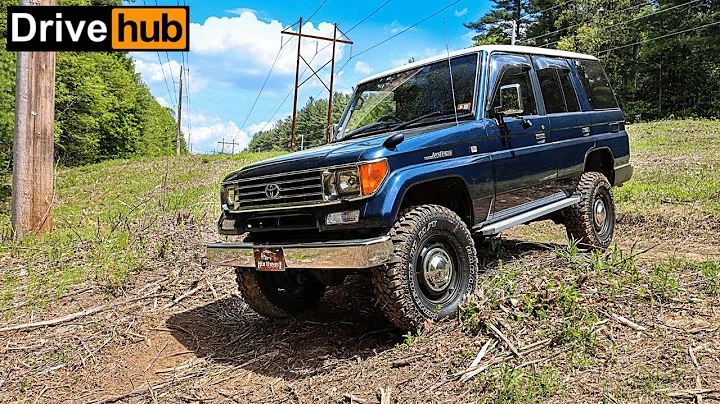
pixel 345 254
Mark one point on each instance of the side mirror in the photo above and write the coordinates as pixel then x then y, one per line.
pixel 358 104
pixel 511 102
pixel 335 129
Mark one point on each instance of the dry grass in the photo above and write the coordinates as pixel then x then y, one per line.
pixel 126 231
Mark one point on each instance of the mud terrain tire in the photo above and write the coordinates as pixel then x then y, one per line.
pixel 592 220
pixel 435 267
pixel 277 294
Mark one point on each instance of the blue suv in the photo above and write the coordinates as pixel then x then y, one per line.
pixel 426 159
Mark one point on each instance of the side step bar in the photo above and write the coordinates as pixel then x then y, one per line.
pixel 495 228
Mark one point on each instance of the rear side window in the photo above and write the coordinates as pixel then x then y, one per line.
pixel 596 84
pixel 556 86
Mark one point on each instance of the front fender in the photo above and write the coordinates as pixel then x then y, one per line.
pixel 475 171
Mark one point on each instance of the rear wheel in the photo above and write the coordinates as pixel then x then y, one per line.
pixel 436 267
pixel 592 220
pixel 278 294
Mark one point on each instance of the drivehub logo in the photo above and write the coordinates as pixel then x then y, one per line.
pixel 98 28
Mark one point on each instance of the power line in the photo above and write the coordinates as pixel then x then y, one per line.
pixel 277 57
pixel 659 37
pixel 290 92
pixel 408 28
pixel 172 76
pixel 368 16
pixel 659 11
pixel 647 2
pixel 318 9
pixel 546 9
pixel 366 50
pixel 170 94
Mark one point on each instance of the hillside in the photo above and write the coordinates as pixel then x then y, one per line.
pixel 638 323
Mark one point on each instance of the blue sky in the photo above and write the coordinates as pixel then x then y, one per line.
pixel 234 43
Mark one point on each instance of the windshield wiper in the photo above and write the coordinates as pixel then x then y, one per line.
pixel 371 127
pixel 433 114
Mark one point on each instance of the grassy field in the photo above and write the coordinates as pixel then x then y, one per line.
pixel 637 323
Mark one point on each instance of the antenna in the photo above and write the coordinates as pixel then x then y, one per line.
pixel 452 82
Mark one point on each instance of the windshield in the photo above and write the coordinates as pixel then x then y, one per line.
pixel 411 95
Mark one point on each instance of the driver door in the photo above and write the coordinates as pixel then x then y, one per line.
pixel 522 160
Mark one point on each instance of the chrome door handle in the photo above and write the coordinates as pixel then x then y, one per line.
pixel 540 137
pixel 586 130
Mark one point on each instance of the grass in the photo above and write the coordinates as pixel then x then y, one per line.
pixel 680 166
pixel 110 222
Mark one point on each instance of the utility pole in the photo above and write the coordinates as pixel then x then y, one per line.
pixel 33 147
pixel 334 40
pixel 328 130
pixel 514 30
pixel 178 140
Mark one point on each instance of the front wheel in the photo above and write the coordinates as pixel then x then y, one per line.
pixel 592 220
pixel 278 294
pixel 435 267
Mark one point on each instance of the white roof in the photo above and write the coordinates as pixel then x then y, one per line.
pixel 488 48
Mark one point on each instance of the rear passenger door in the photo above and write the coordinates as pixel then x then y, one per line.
pixel 521 156
pixel 569 127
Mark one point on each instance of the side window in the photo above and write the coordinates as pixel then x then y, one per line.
pixel 571 99
pixel 513 70
pixel 596 84
pixel 556 86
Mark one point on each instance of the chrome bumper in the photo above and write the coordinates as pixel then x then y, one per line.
pixel 348 254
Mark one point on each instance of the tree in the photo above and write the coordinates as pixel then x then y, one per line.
pixel 311 123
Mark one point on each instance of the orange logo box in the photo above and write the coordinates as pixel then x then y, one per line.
pixel 150 28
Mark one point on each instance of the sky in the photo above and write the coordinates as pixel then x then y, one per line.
pixel 233 45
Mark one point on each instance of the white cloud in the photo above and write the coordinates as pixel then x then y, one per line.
pixel 394 27
pixel 362 67
pixel 252 45
pixel 240 10
pixel 153 72
pixel 460 13
pixel 205 131
pixel 163 102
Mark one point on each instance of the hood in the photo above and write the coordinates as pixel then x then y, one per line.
pixel 351 151
pixel 328 155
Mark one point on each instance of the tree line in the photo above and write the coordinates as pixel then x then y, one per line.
pixel 311 124
pixel 103 109
pixel 661 56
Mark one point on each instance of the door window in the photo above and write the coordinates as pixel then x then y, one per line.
pixel 556 86
pixel 513 70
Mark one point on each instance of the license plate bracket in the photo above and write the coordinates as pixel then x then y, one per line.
pixel 269 259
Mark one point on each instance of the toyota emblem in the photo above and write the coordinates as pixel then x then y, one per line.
pixel 272 191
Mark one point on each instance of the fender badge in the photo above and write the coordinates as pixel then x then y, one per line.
pixel 438 155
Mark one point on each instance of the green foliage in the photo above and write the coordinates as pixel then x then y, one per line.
pixel 676 76
pixel 512 385
pixel 311 123
pixel 710 270
pixel 103 110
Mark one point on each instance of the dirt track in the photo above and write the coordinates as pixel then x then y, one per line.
pixel 210 347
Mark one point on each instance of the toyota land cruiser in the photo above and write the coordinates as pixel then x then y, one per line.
pixel 427 158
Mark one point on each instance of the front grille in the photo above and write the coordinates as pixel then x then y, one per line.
pixel 293 188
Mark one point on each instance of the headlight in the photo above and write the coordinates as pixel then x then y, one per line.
pixel 348 182
pixel 352 182
pixel 227 196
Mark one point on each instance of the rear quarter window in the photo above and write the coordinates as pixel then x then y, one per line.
pixel 596 84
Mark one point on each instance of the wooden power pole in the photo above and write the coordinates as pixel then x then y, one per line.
pixel 335 40
pixel 33 148
pixel 179 139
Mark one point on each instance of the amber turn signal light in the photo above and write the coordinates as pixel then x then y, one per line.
pixel 372 175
